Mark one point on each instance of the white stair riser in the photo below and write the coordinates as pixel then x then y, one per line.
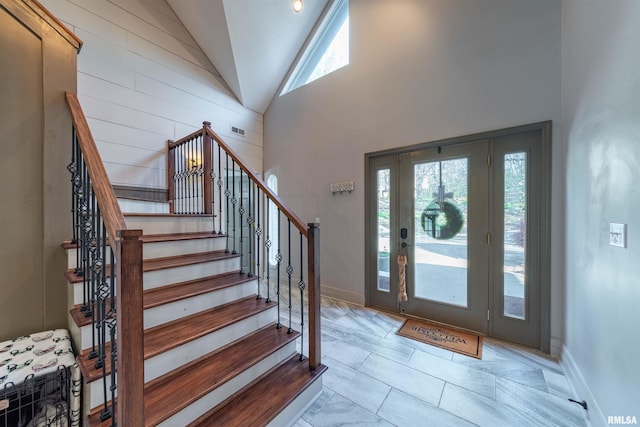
pixel 157 278
pixel 82 338
pixel 232 386
pixel 174 358
pixel 164 249
pixel 168 312
pixel 93 393
pixel 168 276
pixel 299 406
pixel 182 247
pixel 169 224
pixel 141 206
pixel 72 260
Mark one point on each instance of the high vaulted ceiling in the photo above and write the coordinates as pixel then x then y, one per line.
pixel 252 43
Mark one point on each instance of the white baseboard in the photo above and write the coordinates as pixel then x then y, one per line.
pixel 594 416
pixel 348 296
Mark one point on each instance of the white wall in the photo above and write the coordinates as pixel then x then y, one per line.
pixel 601 127
pixel 420 70
pixel 142 80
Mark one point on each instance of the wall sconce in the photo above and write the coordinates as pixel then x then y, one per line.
pixel 297 6
pixel 342 187
pixel 194 163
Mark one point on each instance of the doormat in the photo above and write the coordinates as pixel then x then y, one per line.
pixel 465 343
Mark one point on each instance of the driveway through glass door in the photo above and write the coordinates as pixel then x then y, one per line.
pixel 468 218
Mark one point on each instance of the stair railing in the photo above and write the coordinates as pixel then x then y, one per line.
pixel 205 176
pixel 109 260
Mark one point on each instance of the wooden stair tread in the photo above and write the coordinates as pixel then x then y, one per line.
pixel 173 334
pixel 174 292
pixel 205 374
pixel 173 237
pixel 166 262
pixel 87 366
pixel 209 372
pixel 261 401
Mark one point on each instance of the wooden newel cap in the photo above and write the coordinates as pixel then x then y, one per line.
pixel 129 234
pixel 206 124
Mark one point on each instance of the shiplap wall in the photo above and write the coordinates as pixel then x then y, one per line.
pixel 143 80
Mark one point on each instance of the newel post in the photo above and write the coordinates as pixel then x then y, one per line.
pixel 207 161
pixel 313 265
pixel 130 339
pixel 171 172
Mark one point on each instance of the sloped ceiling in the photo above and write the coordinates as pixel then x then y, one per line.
pixel 252 43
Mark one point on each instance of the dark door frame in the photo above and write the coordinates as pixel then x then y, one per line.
pixel 544 129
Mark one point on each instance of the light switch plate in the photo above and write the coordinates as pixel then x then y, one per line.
pixel 618 235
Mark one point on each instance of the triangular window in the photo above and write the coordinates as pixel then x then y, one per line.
pixel 328 49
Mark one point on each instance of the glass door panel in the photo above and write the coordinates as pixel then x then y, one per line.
pixel 515 232
pixel 443 206
pixel 383 228
pixel 440 240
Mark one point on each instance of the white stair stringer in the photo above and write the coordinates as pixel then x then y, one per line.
pixel 217 396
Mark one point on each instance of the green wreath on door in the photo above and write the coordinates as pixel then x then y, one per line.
pixel 442 223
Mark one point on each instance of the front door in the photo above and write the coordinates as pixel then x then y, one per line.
pixel 459 224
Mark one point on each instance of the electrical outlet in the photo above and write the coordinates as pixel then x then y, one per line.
pixel 618 235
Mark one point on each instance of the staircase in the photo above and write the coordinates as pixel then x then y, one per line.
pixel 217 333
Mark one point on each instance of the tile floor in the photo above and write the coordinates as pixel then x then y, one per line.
pixel 376 377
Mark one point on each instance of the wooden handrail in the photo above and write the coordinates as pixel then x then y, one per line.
pixel 299 224
pixel 109 208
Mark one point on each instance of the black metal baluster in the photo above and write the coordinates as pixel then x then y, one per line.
pixel 100 303
pixel 233 207
pixel 250 230
pixel 241 212
pixel 84 209
pixel 258 235
pixel 77 186
pixel 199 183
pixel 227 193
pixel 278 260
pixel 179 193
pixel 289 272
pixel 89 271
pixel 190 177
pixel 213 188
pixel 267 244
pixel 220 182
pixel 185 160
pixel 301 286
